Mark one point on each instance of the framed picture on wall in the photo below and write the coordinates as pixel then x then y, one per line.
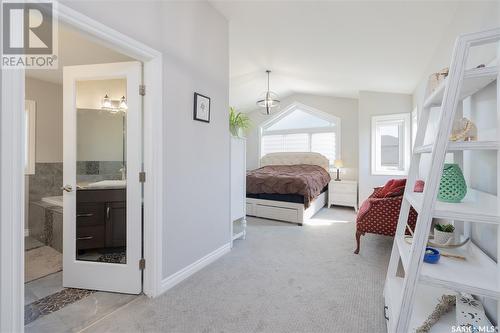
pixel 201 108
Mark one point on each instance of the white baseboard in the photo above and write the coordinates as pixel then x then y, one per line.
pixel 186 272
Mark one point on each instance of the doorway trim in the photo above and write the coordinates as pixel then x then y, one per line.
pixel 12 171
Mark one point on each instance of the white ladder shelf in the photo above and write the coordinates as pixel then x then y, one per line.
pixel 410 300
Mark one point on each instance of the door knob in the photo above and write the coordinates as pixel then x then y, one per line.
pixel 67 188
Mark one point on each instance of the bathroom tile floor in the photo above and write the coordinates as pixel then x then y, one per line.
pixel 114 255
pixel 31 243
pixel 40 262
pixel 52 308
pixel 40 288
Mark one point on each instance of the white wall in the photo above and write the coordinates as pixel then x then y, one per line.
pixel 197 176
pixel 480 167
pixel 470 16
pixel 344 108
pixel 193 38
pixel 375 104
pixel 49 119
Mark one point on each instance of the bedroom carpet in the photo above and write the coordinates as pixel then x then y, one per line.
pixel 282 278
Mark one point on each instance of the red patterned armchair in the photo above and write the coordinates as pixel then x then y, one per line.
pixel 379 213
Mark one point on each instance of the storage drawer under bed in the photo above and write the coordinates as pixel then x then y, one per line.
pixel 276 213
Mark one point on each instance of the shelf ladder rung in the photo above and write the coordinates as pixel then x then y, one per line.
pixel 477 206
pixel 474 80
pixel 456 274
pixel 461 145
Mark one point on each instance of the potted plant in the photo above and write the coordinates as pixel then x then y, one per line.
pixel 443 233
pixel 238 122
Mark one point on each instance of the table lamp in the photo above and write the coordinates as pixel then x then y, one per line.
pixel 337 165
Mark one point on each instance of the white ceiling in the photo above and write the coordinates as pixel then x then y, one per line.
pixel 334 48
pixel 75 48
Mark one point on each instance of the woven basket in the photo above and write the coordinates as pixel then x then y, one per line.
pixel 452 187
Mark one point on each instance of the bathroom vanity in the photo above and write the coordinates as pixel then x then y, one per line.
pixel 100 218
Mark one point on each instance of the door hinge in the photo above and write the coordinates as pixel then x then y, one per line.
pixel 142 90
pixel 142 264
pixel 142 177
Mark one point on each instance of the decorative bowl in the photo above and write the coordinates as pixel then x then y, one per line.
pixel 431 255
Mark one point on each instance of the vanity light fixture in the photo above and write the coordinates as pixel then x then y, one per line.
pixel 123 103
pixel 114 106
pixel 106 102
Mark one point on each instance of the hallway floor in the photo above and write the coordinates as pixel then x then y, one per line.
pixel 282 278
pixel 68 309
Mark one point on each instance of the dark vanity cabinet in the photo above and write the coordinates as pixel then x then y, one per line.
pixel 100 218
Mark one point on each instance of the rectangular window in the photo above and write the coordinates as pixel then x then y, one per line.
pixel 391 144
pixel 29 137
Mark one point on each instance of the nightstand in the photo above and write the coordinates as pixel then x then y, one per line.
pixel 343 193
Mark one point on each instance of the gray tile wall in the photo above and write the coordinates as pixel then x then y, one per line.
pixel 93 171
pixel 46 182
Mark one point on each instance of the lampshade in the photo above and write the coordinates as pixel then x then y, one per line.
pixel 338 164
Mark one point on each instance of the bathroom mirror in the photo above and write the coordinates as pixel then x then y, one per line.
pixel 101 125
pixel 101 221
pixel 100 145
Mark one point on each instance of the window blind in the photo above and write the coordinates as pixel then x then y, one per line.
pixel 323 143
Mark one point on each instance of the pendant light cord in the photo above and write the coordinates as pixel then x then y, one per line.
pixel 268 72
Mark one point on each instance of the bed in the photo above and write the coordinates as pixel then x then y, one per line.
pixel 290 187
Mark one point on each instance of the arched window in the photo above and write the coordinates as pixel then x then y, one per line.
pixel 302 129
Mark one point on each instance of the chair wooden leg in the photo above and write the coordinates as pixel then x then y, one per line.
pixel 358 239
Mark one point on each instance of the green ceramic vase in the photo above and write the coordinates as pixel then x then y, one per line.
pixel 452 187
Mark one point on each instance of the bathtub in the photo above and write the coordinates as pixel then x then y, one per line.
pixel 56 201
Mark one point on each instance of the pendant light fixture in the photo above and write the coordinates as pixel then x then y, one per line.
pixel 268 99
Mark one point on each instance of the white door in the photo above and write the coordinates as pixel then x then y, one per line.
pixel 102 192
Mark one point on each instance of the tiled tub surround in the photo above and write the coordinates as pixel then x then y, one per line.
pixel 46 224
